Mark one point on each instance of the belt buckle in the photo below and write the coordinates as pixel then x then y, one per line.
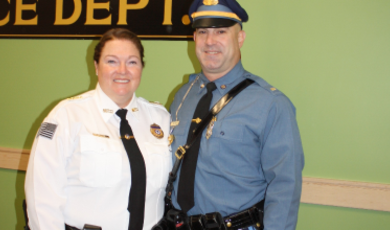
pixel 180 152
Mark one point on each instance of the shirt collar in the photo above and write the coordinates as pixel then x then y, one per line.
pixel 108 107
pixel 225 83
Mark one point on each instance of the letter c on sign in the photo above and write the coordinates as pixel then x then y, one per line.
pixel 6 19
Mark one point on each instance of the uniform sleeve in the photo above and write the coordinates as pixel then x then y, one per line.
pixel 46 178
pixel 282 163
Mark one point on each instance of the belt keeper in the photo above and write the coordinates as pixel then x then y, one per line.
pixel 172 177
pixel 214 221
pixel 197 222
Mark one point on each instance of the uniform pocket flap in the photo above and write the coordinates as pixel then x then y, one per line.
pixel 98 144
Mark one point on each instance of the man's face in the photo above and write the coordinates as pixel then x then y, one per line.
pixel 218 49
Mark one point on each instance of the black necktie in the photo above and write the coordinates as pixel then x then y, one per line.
pixel 136 204
pixel 185 196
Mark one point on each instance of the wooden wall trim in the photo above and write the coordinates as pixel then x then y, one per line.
pixel 340 193
pixel 14 158
pixel 348 194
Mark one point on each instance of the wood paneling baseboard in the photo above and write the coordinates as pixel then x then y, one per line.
pixel 319 191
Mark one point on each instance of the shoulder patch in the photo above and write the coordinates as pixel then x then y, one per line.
pixel 47 130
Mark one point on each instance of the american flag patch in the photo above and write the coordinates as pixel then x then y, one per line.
pixel 47 130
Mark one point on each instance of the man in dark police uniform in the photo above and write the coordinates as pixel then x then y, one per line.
pixel 250 156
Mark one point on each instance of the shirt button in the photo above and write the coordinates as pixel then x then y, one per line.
pixel 222 133
pixel 202 86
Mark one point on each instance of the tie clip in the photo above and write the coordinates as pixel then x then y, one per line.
pixel 197 120
pixel 127 137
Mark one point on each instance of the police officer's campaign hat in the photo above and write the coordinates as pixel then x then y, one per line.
pixel 216 13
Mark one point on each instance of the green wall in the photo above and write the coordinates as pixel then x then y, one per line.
pixel 332 58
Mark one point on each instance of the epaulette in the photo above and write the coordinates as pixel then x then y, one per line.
pixel 263 84
pixel 272 90
pixel 85 95
pixel 155 103
pixel 75 98
pixel 151 103
pixel 71 100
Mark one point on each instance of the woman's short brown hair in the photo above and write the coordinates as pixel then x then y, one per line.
pixel 118 33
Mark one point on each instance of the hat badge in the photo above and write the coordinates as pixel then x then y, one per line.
pixel 210 2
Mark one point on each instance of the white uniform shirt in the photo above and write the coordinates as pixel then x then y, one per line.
pixel 82 174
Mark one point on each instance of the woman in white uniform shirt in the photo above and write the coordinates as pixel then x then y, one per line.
pixel 79 171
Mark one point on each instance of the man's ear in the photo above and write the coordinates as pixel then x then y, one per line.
pixel 194 35
pixel 241 38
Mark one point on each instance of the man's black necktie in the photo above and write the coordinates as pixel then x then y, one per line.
pixel 136 204
pixel 185 196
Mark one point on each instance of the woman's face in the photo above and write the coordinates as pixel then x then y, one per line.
pixel 119 70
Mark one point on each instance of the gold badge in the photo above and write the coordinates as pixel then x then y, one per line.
pixel 156 131
pixel 210 2
pixel 134 110
pixel 171 138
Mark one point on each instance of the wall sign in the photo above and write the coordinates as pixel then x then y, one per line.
pixel 154 19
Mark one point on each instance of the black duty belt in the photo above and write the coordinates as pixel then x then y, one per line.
pixel 250 217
